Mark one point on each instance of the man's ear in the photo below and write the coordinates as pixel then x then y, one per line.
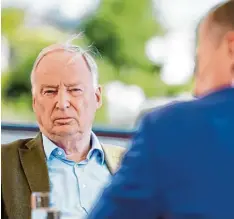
pixel 98 94
pixel 230 40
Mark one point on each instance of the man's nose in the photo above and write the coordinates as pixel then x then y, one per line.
pixel 63 100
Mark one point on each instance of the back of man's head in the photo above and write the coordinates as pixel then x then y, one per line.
pixel 222 18
pixel 215 52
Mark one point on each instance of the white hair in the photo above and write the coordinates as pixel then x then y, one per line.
pixel 77 50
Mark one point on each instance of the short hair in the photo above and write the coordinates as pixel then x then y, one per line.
pixel 77 50
pixel 222 16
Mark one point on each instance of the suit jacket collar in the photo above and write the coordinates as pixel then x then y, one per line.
pixel 227 92
pixel 113 156
pixel 33 160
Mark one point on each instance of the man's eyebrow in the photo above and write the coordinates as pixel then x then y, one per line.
pixel 72 84
pixel 48 86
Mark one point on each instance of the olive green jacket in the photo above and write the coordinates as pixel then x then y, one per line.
pixel 24 171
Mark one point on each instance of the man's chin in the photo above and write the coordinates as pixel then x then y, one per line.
pixel 66 131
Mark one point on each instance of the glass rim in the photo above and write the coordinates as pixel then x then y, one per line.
pixel 40 194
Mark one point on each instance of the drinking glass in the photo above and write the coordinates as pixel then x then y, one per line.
pixel 41 209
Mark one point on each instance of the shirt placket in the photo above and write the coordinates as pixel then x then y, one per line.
pixel 79 171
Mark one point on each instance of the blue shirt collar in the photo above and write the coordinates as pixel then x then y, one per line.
pixel 96 148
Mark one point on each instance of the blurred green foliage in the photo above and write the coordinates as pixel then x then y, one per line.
pixel 12 19
pixel 119 31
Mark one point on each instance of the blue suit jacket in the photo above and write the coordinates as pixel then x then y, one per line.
pixel 180 166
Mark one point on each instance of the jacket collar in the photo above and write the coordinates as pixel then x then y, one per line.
pixel 33 160
pixel 227 93
pixel 113 156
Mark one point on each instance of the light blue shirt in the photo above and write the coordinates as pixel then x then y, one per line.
pixel 76 186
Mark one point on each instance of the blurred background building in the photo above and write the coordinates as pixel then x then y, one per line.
pixel 144 50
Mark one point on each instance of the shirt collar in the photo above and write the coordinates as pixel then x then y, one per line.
pixel 96 148
pixel 49 146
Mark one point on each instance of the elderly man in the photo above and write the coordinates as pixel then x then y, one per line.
pixel 181 164
pixel 66 157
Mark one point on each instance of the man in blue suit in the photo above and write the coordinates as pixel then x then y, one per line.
pixel 181 164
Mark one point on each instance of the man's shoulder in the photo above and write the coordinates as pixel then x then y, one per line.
pixel 185 109
pixel 114 149
pixel 10 153
pixel 172 111
pixel 113 156
pixel 13 146
pixel 172 117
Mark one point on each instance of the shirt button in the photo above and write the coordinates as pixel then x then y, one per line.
pixel 84 185
pixel 60 153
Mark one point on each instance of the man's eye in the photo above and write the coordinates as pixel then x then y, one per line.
pixel 49 92
pixel 76 90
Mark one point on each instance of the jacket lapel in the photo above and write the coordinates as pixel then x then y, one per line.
pixel 113 157
pixel 33 161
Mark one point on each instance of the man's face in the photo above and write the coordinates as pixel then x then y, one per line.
pixel 213 61
pixel 65 99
